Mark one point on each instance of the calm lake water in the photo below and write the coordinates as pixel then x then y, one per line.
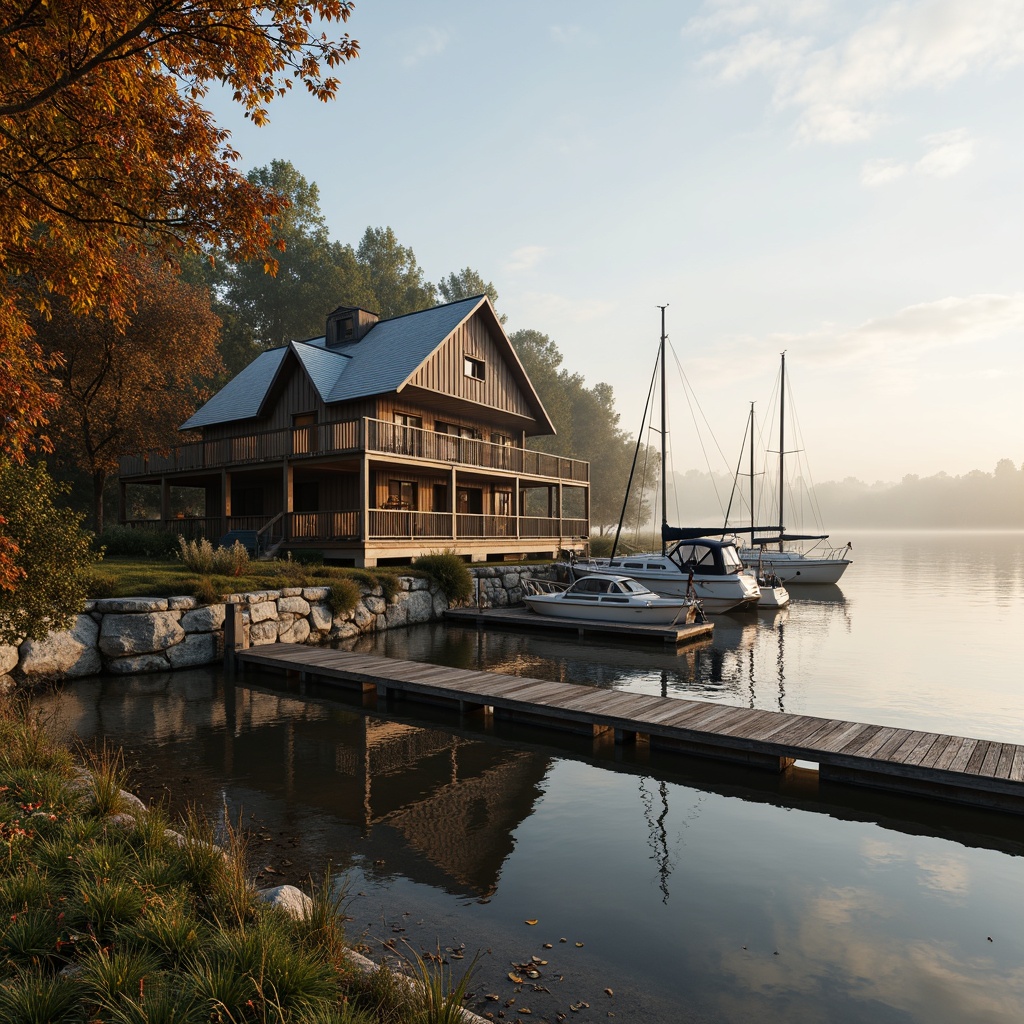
pixel 692 891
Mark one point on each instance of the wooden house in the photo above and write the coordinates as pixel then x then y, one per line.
pixel 378 442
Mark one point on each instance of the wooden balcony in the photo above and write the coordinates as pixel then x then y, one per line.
pixel 383 525
pixel 353 437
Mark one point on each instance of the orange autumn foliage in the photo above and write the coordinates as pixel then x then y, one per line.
pixel 105 142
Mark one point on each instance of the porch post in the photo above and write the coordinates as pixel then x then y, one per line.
pixel 515 498
pixel 561 523
pixel 453 501
pixel 225 502
pixel 364 497
pixel 288 496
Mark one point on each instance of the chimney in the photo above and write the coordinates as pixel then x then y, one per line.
pixel 348 324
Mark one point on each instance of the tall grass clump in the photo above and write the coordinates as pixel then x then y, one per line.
pixel 442 990
pixel 449 572
pixel 201 556
pixel 344 596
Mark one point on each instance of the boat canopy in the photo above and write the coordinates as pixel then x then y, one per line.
pixel 693 532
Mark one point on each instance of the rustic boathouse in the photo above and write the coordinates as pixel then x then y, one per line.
pixel 380 441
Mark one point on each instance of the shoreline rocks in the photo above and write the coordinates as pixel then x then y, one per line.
pixel 126 636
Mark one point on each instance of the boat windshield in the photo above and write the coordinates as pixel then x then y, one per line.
pixel 731 558
pixel 633 587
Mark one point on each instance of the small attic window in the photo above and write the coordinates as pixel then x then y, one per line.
pixel 474 368
pixel 346 328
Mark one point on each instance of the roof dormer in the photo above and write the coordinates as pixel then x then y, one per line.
pixel 348 324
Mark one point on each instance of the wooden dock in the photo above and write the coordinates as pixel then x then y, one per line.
pixel 980 773
pixel 523 618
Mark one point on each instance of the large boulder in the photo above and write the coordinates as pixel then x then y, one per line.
pixel 295 633
pixel 320 617
pixel 67 653
pixel 204 620
pixel 8 658
pixel 294 604
pixel 140 633
pixel 294 902
pixel 263 611
pixel 419 607
pixel 195 649
pixel 138 664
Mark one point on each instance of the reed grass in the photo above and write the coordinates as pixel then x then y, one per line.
pixel 121 921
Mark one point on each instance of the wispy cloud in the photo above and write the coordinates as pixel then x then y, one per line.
pixel 946 154
pixel 840 88
pixel 565 33
pixel 429 43
pixel 526 257
pixel 914 331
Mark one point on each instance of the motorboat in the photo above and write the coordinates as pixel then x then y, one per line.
pixel 606 597
pixel 709 569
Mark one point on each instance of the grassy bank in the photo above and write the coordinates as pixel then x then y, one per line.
pixel 113 915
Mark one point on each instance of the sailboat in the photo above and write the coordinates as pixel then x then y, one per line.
pixel 820 563
pixel 773 593
pixel 695 565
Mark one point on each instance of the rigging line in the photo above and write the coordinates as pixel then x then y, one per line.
pixel 632 468
pixel 688 392
pixel 748 427
pixel 805 466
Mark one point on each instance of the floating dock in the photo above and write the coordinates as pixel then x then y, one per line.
pixel 523 618
pixel 979 773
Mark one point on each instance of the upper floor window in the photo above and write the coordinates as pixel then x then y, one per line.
pixel 404 419
pixel 474 367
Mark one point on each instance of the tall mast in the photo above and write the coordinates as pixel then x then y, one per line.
pixel 753 524
pixel 664 463
pixel 782 449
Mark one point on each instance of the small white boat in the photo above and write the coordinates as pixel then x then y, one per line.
pixel 709 569
pixel 608 598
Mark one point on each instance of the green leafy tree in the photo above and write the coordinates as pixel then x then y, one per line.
pixel 127 386
pixel 395 278
pixel 51 557
pixel 466 283
pixel 587 428
pixel 314 274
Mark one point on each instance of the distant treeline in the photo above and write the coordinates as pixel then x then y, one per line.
pixel 976 500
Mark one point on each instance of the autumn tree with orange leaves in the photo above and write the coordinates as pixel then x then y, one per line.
pixel 105 143
pixel 124 390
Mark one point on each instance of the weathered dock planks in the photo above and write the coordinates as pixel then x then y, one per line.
pixel 980 773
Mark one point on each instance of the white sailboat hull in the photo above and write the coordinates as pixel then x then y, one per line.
pixel 792 567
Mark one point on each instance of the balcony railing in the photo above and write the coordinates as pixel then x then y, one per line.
pixel 384 524
pixel 370 435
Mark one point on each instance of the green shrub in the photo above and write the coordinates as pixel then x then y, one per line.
pixel 389 585
pixel 449 572
pixel 137 542
pixel 306 556
pixel 345 595
pixel 206 592
pixel 100 584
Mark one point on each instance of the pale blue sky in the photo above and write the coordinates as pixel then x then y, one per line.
pixel 838 178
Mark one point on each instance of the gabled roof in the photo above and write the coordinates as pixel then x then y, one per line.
pixel 383 361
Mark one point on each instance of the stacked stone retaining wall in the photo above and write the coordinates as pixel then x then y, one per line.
pixel 124 636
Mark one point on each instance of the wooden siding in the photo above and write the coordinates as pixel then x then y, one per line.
pixel 444 371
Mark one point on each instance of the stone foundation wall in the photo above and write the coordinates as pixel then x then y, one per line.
pixel 154 634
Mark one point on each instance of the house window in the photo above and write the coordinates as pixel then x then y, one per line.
pixel 456 431
pixel 404 419
pixel 401 494
pixel 473 368
pixel 503 503
pixel 502 439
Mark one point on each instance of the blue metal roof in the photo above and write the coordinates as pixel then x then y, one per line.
pixel 242 396
pixel 380 362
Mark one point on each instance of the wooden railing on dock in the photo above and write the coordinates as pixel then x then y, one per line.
pixel 980 773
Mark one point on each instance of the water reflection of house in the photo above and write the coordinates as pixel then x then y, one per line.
pixel 436 807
